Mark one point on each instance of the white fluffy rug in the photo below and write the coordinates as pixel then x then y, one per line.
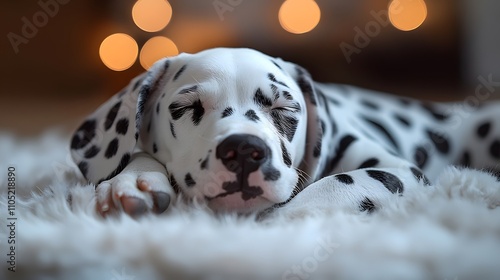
pixel 451 232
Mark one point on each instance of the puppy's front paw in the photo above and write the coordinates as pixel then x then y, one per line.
pixel 135 193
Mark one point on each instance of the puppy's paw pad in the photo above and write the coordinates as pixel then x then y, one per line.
pixel 161 200
pixel 133 206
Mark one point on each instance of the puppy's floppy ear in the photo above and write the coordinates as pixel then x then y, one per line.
pixel 103 144
pixel 312 99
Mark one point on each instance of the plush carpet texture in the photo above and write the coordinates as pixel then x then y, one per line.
pixel 451 231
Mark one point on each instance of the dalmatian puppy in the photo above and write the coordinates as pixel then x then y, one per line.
pixel 245 132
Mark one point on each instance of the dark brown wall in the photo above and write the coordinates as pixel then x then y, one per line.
pixel 59 74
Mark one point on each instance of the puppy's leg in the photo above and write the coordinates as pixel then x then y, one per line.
pixel 356 191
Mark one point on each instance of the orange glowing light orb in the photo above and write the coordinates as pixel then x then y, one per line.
pixel 118 51
pixel 151 15
pixel 155 49
pixel 407 15
pixel 299 16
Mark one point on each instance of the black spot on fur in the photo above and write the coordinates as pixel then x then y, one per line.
pixel 340 150
pixel 494 172
pixel 69 199
pixel 306 88
pixel 172 130
pixel 420 156
pixel 322 125
pixel 332 100
pixel 92 152
pixel 439 141
pixel 326 104
pixel 287 95
pixel 319 142
pixel 402 120
pixel 367 205
pixel 334 128
pixel 321 97
pixel 332 125
pixel 276 64
pixel 273 79
pixel 431 109
pixel 270 173
pixel 251 115
pixel 122 126
pixel 466 159
pixel 286 156
pixel 286 125
pixel 247 192
pixel 111 116
pixel 178 74
pixel 148 128
pixel 174 184
pixel 84 168
pixel 177 110
pixel 276 93
pixel 390 181
pixel 123 162
pixel 420 176
pixel 344 178
pixel 262 100
pixel 141 101
pixel 369 104
pixel 495 149
pixel 112 148
pixel 294 108
pixel 483 130
pixel 204 163
pixel 198 112
pixel 383 131
pixel 371 162
pixel 155 148
pixel 136 136
pixel 189 180
pixel 84 134
pixel 158 107
pixel 137 84
pixel 227 112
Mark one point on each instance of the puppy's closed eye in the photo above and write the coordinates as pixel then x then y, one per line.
pixel 178 109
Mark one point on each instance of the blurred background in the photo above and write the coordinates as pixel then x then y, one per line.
pixel 62 58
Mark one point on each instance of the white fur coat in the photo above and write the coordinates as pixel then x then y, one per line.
pixel 448 232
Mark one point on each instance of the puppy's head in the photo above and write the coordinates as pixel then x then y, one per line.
pixel 231 126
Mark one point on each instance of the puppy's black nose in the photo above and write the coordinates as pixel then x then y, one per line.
pixel 242 153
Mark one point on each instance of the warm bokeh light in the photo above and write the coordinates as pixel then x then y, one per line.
pixel 407 15
pixel 156 48
pixel 299 16
pixel 118 51
pixel 151 15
